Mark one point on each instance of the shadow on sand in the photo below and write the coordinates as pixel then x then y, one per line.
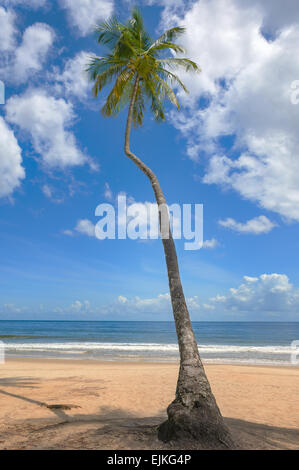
pixel 124 430
pixel 22 382
pixel 25 382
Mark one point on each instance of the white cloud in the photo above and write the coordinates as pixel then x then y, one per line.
pixel 208 307
pixel 246 80
pixel 275 17
pixel 11 170
pixel 11 308
pixel 51 193
pixel 74 78
pixel 85 14
pixel 108 193
pixel 47 120
pixel 26 3
pixel 213 243
pixel 155 305
pixel 86 227
pixel 270 293
pixel 20 62
pixel 256 226
pixel 7 29
pixel 31 54
pixel 47 190
pixel 251 279
pixel 69 233
pixel 193 303
pixel 263 297
pixel 79 306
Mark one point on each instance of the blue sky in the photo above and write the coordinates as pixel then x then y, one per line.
pixel 233 147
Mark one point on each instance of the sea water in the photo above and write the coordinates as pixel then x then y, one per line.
pixel 221 342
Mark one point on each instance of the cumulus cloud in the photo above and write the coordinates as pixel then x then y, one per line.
pixel 68 232
pixel 275 17
pixel 260 297
pixel 11 169
pixel 123 306
pixel 74 78
pixel 86 227
pixel 85 14
pixel 7 29
pixel 152 305
pixel 26 3
pixel 47 120
pixel 255 226
pixel 79 306
pixel 246 82
pixel 268 293
pixel 210 244
pixel 156 305
pixel 21 62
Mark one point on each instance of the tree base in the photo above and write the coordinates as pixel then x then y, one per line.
pixel 200 425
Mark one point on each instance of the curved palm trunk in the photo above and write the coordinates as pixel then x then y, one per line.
pixel 194 412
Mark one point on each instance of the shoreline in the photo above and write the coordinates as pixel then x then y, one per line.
pixel 143 361
pixel 155 360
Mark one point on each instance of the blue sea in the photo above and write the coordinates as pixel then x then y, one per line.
pixel 221 342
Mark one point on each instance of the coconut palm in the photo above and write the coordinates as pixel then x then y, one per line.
pixel 140 74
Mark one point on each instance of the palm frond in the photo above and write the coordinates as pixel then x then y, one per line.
pixel 98 65
pixel 174 62
pixel 168 36
pixel 116 95
pixel 109 31
pixel 166 45
pixel 136 20
pixel 158 110
pixel 174 79
pixel 166 91
pixel 139 108
pixel 106 77
pixel 133 54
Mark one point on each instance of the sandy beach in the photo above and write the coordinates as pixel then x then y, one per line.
pixel 117 405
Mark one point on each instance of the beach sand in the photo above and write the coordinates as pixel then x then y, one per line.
pixel 117 405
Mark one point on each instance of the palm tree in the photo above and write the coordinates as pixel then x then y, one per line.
pixel 136 67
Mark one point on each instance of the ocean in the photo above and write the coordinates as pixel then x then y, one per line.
pixel 219 342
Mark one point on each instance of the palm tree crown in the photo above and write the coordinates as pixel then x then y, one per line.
pixel 134 57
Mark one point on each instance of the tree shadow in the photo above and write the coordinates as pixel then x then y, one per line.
pixel 130 430
pixel 101 430
pixel 264 436
pixel 21 382
pixel 57 409
pixel 115 417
